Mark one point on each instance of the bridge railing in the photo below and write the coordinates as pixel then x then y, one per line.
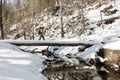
pixel 47 43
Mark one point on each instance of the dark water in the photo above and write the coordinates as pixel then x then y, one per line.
pixel 61 71
pixel 113 74
pixel 81 74
pixel 70 73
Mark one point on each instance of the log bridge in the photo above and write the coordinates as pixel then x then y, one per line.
pixel 47 43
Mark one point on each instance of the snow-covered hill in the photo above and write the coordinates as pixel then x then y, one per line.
pixel 94 28
pixel 103 34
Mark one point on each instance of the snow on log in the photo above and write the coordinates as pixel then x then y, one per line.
pixel 46 43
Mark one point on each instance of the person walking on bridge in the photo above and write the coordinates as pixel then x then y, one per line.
pixel 41 33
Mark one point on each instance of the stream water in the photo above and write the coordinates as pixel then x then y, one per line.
pixel 65 73
pixel 81 74
pixel 59 70
pixel 113 74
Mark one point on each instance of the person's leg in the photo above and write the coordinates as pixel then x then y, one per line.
pixel 43 37
pixel 40 37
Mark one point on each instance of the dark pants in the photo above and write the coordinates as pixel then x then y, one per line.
pixel 41 37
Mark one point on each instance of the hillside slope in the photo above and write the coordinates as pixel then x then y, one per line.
pixel 95 29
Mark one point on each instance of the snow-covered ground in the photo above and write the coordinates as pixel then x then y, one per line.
pixel 18 65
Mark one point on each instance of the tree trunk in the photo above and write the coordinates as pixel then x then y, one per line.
pixel 24 33
pixel 83 18
pixel 1 24
pixel 33 14
pixel 101 15
pixel 61 19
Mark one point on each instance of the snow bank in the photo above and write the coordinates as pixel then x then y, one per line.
pixel 90 52
pixel 113 45
pixel 8 46
pixel 18 65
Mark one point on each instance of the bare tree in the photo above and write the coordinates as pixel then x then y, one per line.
pixel 23 25
pixel 33 14
pixel 61 19
pixel 1 24
pixel 101 14
pixel 83 17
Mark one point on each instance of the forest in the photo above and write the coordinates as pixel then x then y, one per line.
pixel 26 14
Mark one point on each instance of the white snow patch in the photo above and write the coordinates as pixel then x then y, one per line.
pixel 113 45
pixel 90 52
pixel 18 65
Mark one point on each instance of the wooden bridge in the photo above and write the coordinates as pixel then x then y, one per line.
pixel 47 43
